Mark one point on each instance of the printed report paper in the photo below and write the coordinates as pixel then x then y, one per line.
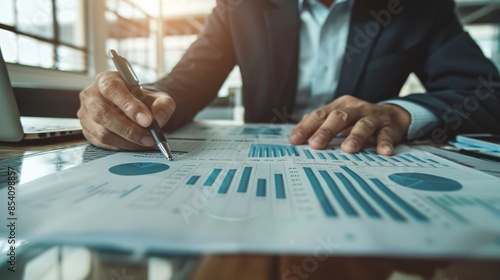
pixel 246 189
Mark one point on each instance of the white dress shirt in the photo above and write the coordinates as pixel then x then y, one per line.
pixel 323 38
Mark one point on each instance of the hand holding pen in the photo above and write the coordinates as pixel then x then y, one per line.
pixel 135 87
pixel 115 118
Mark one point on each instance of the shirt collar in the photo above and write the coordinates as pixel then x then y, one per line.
pixel 302 7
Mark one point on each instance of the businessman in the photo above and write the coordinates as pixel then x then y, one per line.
pixel 334 66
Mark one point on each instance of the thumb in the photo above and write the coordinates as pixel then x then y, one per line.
pixel 162 107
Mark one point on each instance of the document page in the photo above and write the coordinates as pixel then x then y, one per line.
pixel 246 189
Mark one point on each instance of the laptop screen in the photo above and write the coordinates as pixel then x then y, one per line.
pixel 10 124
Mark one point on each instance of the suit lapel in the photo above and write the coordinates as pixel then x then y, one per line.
pixel 360 43
pixel 282 23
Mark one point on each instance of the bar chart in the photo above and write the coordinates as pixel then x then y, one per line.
pixel 321 191
pixel 261 130
pixel 241 180
pixel 465 209
pixel 244 149
pixel 268 150
pixel 354 186
pixel 365 157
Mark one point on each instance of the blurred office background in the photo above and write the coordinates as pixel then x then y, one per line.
pixel 61 44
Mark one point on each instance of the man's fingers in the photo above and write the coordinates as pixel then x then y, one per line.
pixel 386 138
pixel 307 126
pixel 360 133
pixel 113 88
pixel 346 131
pixel 337 120
pixel 101 113
pixel 107 139
pixel 163 107
pixel 116 143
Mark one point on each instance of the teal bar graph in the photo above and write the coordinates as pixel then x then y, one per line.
pixel 453 200
pixel 466 201
pixel 380 158
pixel 261 187
pixel 245 178
pixel 308 154
pixel 368 157
pixel 130 191
pixel 433 161
pixel 415 158
pixel 447 209
pixel 193 180
pixel 266 150
pixel 321 155
pixel 356 157
pixel 405 159
pixel 344 203
pixel 320 194
pixel 400 202
pixel 393 158
pixel 280 186
pixel 488 207
pixel 227 181
pixel 378 199
pixel 369 210
pixel 261 131
pixel 252 152
pixel 213 176
pixel 95 188
pixel 332 156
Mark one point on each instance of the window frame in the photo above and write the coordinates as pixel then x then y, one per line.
pixel 96 59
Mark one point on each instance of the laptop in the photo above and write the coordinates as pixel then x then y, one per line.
pixel 14 128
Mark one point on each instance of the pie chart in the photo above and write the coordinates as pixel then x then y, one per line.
pixel 138 168
pixel 425 182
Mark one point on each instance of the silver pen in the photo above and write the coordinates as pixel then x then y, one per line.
pixel 128 76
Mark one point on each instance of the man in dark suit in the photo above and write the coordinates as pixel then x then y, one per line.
pixel 336 65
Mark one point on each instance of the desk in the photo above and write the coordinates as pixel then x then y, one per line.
pixel 67 262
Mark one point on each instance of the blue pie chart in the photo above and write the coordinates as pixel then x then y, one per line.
pixel 138 168
pixel 425 182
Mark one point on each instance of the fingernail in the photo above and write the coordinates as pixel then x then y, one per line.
pixel 161 117
pixel 319 140
pixel 147 141
pixel 387 148
pixel 296 137
pixel 351 144
pixel 143 119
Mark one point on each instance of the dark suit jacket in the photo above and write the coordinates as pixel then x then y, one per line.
pixel 262 37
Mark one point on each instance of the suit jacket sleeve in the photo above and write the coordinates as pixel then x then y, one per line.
pixel 463 85
pixel 196 79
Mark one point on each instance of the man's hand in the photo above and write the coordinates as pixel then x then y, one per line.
pixel 113 118
pixel 387 123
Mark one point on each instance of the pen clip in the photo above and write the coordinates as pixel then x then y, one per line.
pixel 131 71
pixel 125 69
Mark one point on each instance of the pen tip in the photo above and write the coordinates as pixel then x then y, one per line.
pixel 165 150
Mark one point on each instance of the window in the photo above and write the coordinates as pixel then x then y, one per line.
pixel 133 33
pixel 487 36
pixel 45 33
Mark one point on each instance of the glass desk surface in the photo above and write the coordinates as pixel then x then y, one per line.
pixel 75 262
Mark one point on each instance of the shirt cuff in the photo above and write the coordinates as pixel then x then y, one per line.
pixel 422 119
